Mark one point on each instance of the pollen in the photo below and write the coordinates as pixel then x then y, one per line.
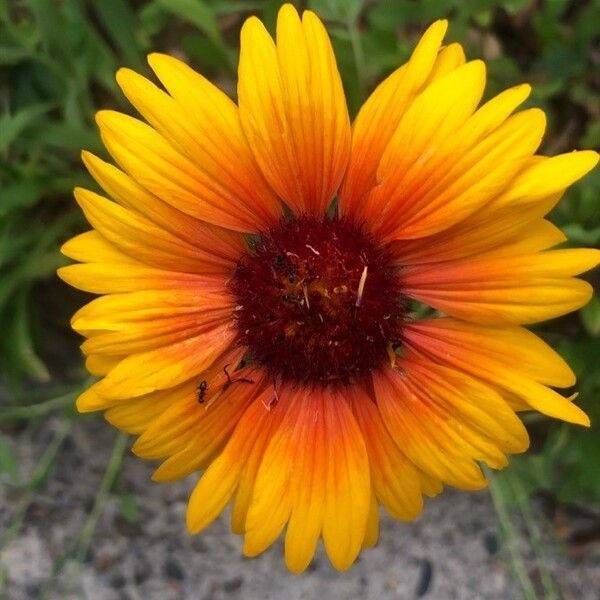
pixel 319 301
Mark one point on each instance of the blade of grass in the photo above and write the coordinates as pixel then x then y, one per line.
pixel 511 536
pixel 110 476
pixel 25 413
pixel 87 532
pixel 535 537
pixel 39 476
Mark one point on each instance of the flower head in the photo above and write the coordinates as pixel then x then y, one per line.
pixel 256 266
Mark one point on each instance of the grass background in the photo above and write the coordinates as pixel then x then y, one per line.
pixel 57 65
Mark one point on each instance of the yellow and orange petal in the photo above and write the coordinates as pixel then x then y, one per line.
pixel 449 192
pixel 293 110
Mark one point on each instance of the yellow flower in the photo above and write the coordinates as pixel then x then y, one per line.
pixel 286 364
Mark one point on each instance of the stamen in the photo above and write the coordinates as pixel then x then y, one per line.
pixel 391 354
pixel 305 290
pixel 361 286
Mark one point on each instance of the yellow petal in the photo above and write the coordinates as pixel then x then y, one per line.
pixel 453 181
pixel 198 134
pixel 348 491
pixel 509 358
pixel 215 488
pixel 165 367
pixel 142 240
pixel 308 487
pixel 546 176
pixel 380 115
pixel 157 166
pixel 372 533
pixel 204 436
pixel 293 110
pixel 135 416
pixel 395 479
pixel 129 194
pixel 424 436
pixel 505 288
pixel 115 278
pixel 91 247
pixel 450 57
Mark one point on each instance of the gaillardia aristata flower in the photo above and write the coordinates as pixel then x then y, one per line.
pixel 257 265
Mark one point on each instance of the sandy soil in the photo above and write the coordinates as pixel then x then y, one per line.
pixel 451 552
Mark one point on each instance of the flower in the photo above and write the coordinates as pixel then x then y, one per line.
pixel 257 264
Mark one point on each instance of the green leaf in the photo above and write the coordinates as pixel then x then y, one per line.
pixel 344 11
pixel 21 343
pixel 117 17
pixel 129 508
pixel 202 16
pixel 8 462
pixel 590 315
pixel 11 126
pixel 20 195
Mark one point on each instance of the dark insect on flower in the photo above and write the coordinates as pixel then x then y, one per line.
pixel 201 391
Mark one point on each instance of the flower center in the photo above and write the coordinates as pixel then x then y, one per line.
pixel 319 301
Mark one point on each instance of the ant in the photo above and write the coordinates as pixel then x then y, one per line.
pixel 201 391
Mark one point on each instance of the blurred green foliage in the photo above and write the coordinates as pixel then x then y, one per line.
pixel 57 64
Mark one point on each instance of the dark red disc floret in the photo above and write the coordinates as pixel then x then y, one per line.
pixel 319 301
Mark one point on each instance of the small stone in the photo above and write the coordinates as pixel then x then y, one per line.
pixel 117 580
pixel 490 543
pixel 231 585
pixel 425 578
pixel 173 570
pixel 141 573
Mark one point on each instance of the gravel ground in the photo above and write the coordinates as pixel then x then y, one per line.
pixel 451 552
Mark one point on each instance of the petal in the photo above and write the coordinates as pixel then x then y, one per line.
pixel 129 194
pixel 505 288
pixel 270 420
pixel 348 488
pixel 135 416
pixel 372 532
pixel 318 436
pixel 100 365
pixel 308 488
pixel 108 270
pixel 197 126
pixel 188 415
pixel 427 438
pixel 394 477
pixel 144 241
pixel 293 110
pixel 546 176
pixel 510 358
pixel 501 232
pixel 271 503
pixel 162 170
pixel 524 351
pixel 167 366
pixel 121 324
pixel 92 247
pixel 450 179
pixel 198 444
pixel 481 416
pixel 119 312
pixel 449 58
pixel 380 115
pixel 217 485
pixel 116 278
